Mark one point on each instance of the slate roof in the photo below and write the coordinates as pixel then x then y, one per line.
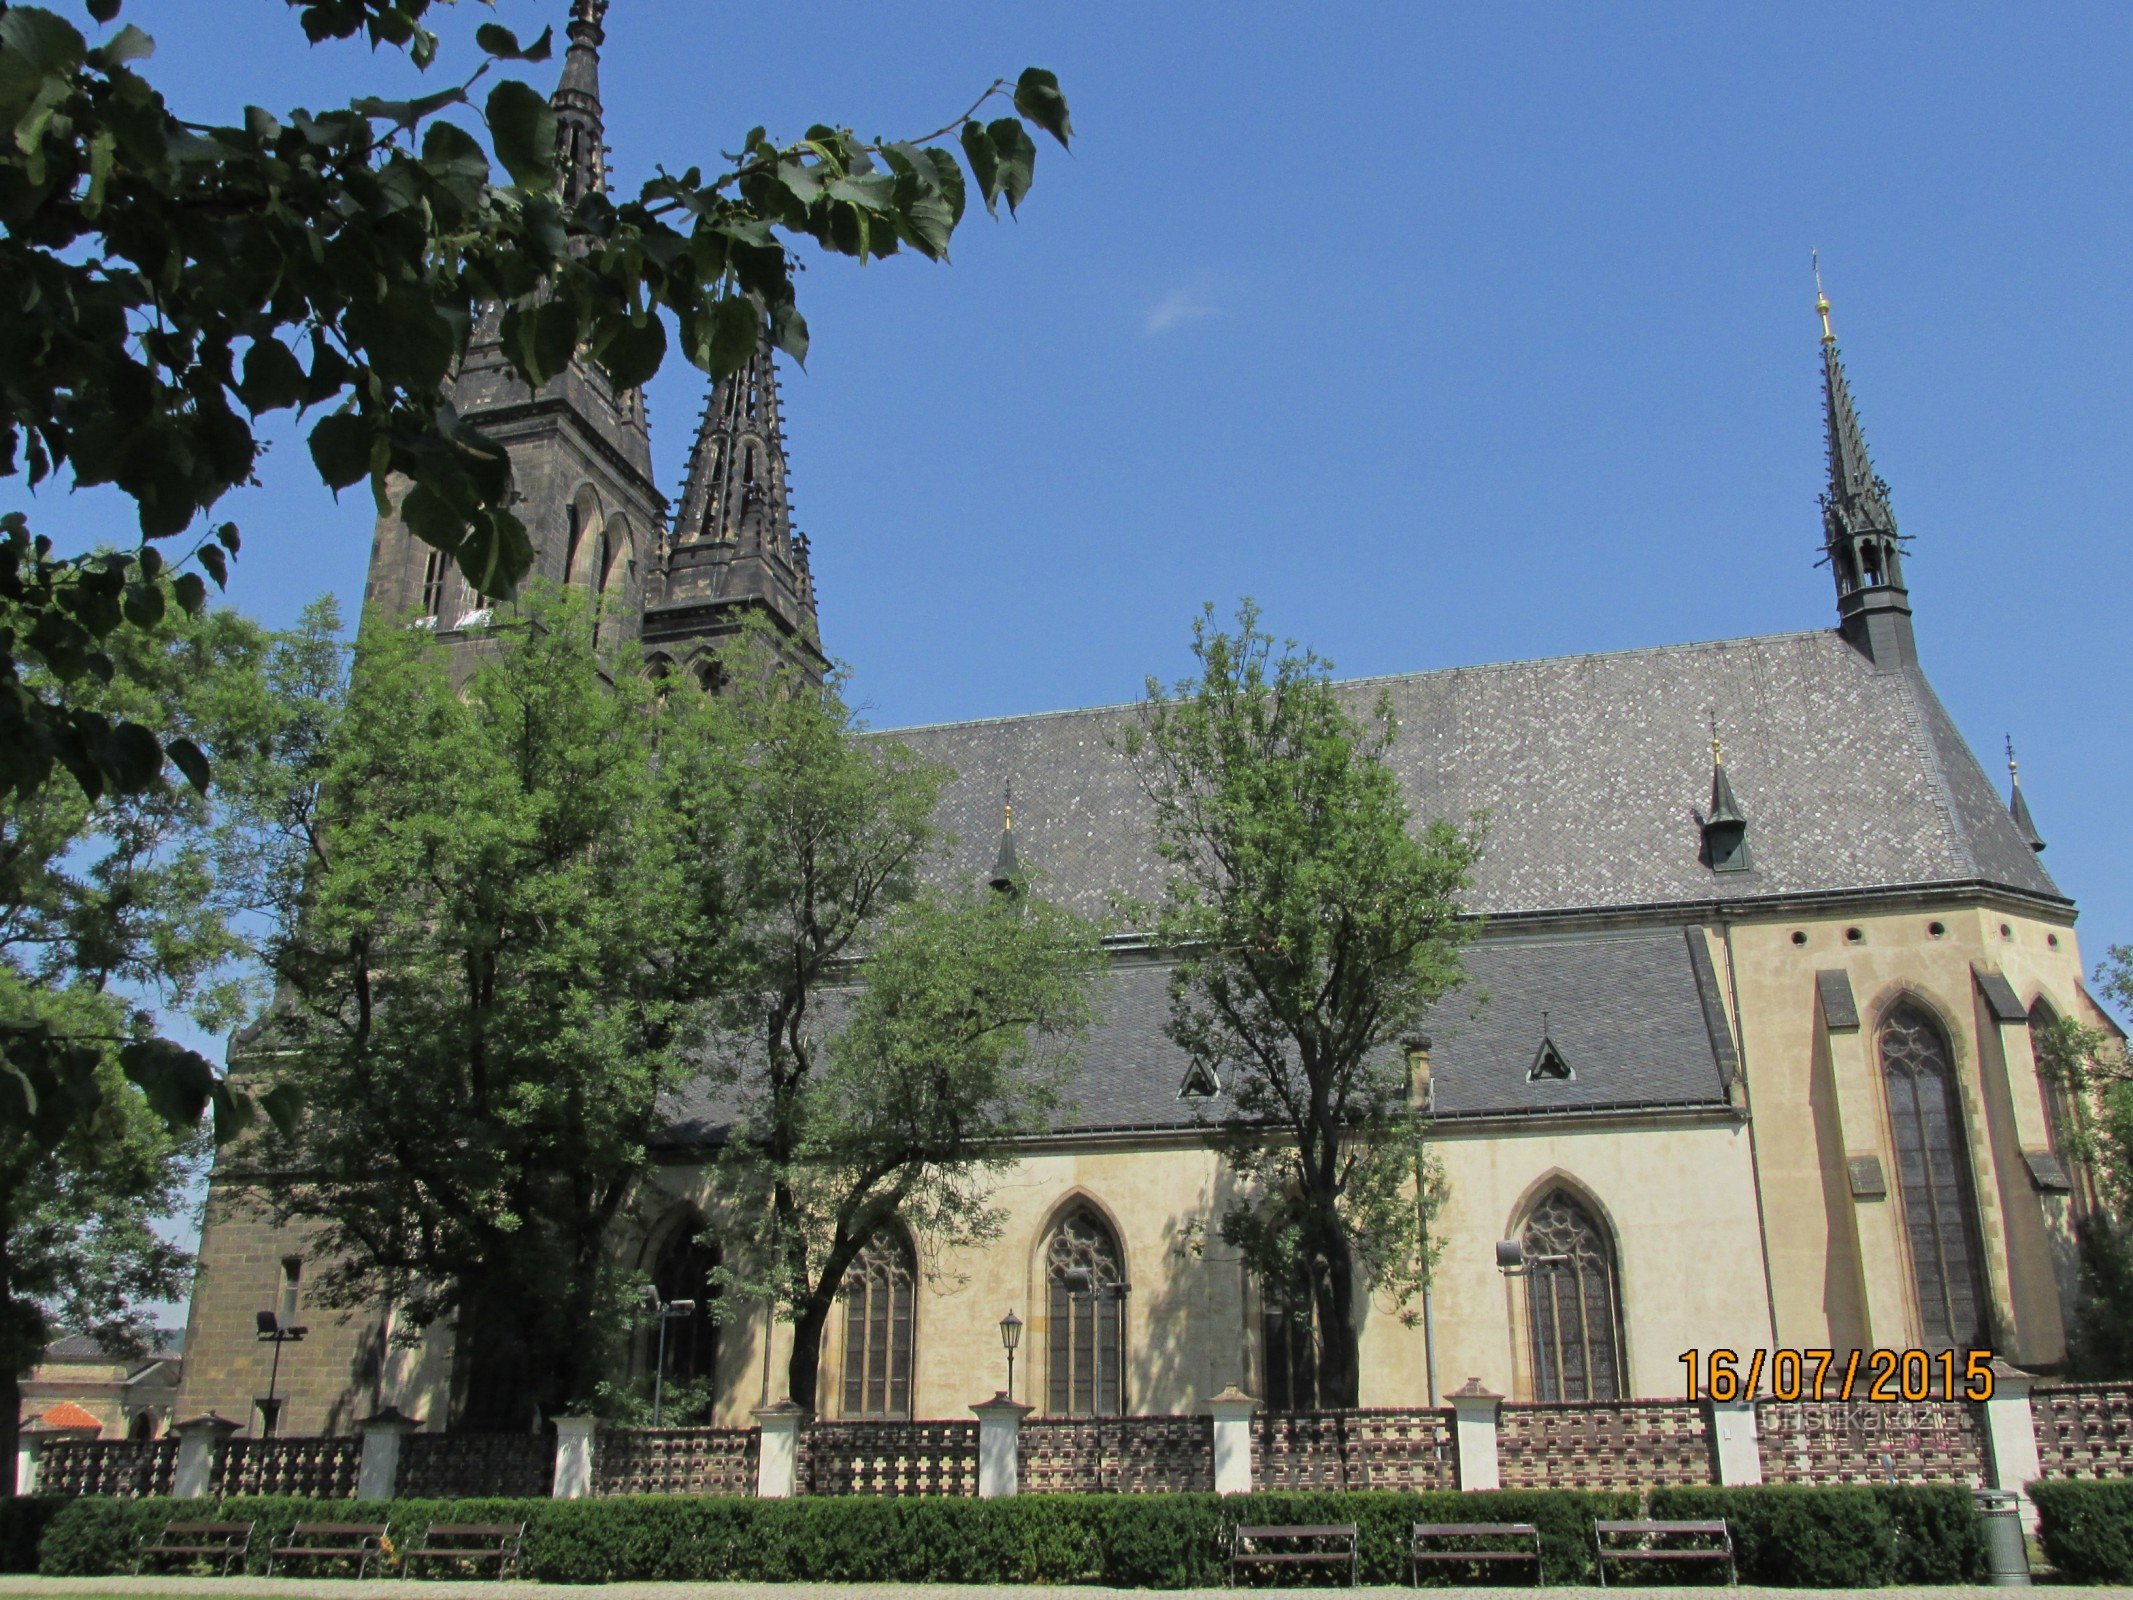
pixel 1593 771
pixel 164 1344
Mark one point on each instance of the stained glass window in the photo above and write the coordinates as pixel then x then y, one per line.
pixel 879 1314
pixel 1086 1292
pixel 1573 1312
pixel 1933 1178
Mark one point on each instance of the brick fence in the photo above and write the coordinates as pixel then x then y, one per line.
pixel 2051 1431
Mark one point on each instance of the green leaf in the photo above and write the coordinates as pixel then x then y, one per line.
pixel 949 177
pixel 984 162
pixel 273 377
pixel 500 42
pixel 144 605
pixel 128 44
pixel 283 1104
pixel 523 130
pixel 186 757
pixel 632 351
pixel 1037 97
pixel 216 564
pixel 340 448
pixel 104 10
pixel 735 326
pixel 788 330
pixel 191 591
pixel 177 1083
pixel 1018 159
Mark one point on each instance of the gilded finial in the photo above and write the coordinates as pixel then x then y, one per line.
pixel 1829 334
pixel 2014 769
pixel 1009 825
pixel 1718 751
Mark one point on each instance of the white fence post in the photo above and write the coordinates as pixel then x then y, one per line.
pixel 1474 1429
pixel 1000 1446
pixel 573 1458
pixel 1740 1456
pixel 2011 1437
pixel 198 1440
pixel 378 1469
pixel 778 1461
pixel 1232 1410
pixel 26 1443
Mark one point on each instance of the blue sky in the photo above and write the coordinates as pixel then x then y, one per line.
pixel 1451 334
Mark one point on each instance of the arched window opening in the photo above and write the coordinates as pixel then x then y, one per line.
pixel 143 1426
pixel 1573 1307
pixel 1086 1295
pixel 433 584
pixel 2060 1109
pixel 1289 1346
pixel 685 1269
pixel 1933 1178
pixel 880 1306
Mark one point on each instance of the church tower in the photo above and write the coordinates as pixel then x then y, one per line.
pixel 734 550
pixel 581 452
pixel 1858 528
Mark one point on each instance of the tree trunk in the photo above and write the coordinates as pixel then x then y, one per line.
pixel 10 1428
pixel 1339 1363
pixel 804 1371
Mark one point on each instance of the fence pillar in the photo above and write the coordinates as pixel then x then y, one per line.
pixel 778 1460
pixel 2011 1437
pixel 378 1468
pixel 1232 1410
pixel 1000 1446
pixel 1740 1457
pixel 573 1458
pixel 198 1441
pixel 26 1450
pixel 1474 1431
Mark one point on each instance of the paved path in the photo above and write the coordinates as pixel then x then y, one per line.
pixel 400 1589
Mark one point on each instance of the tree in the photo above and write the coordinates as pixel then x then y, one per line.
pixel 883 1041
pixel 2090 1064
pixel 1314 927
pixel 176 283
pixel 108 904
pixel 481 940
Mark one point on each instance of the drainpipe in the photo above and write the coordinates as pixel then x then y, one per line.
pixel 1755 1164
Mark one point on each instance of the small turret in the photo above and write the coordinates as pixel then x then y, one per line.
pixel 2017 807
pixel 1006 870
pixel 1725 830
pixel 580 134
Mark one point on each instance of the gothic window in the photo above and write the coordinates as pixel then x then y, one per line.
pixel 2059 1112
pixel 879 1309
pixel 433 584
pixel 1290 1351
pixel 292 1278
pixel 1086 1294
pixel 1573 1308
pixel 683 1270
pixel 1933 1178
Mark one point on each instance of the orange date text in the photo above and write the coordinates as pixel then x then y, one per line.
pixel 1881 1377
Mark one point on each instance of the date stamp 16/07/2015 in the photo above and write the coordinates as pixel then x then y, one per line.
pixel 1881 1377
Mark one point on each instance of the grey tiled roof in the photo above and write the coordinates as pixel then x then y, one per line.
pixel 1592 771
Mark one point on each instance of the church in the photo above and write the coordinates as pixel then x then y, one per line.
pixel 1744 1060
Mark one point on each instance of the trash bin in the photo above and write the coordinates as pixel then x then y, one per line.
pixel 2006 1548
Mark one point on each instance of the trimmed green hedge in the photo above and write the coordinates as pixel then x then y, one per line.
pixel 1807 1537
pixel 1842 1537
pixel 2086 1528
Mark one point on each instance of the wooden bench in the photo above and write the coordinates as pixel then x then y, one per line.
pixel 1487 1541
pixel 1298 1545
pixel 1650 1541
pixel 470 1542
pixel 360 1542
pixel 227 1542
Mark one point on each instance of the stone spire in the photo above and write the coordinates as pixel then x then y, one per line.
pixel 1859 535
pixel 2017 807
pixel 580 147
pixel 1725 830
pixel 733 547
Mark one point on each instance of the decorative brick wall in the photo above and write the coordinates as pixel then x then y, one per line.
pixel 1376 1449
pixel 1830 1441
pixel 889 1458
pixel 1134 1455
pixel 1616 1444
pixel 124 1469
pixel 2084 1430
pixel 318 1469
pixel 675 1461
pixel 449 1466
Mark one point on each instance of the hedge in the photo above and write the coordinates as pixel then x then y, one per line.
pixel 1842 1537
pixel 2086 1528
pixel 1157 1541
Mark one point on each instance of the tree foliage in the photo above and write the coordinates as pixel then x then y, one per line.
pixel 1314 926
pixel 2089 1063
pixel 882 1039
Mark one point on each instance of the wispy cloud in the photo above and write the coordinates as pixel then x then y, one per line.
pixel 1190 303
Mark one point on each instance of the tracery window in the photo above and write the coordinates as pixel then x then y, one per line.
pixel 1933 1178
pixel 1086 1290
pixel 1573 1307
pixel 879 1313
pixel 2062 1114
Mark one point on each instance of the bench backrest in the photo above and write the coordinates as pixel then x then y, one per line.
pixel 1496 1530
pixel 1659 1527
pixel 1345 1530
pixel 207 1530
pixel 475 1530
pixel 353 1530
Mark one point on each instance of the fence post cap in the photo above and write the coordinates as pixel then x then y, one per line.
pixel 1000 1406
pixel 576 1422
pixel 780 1412
pixel 2015 1381
pixel 1472 1390
pixel 388 1419
pixel 211 1422
pixel 1231 1403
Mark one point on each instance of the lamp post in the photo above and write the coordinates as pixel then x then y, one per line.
pixel 1010 1336
pixel 272 1332
pixel 664 1311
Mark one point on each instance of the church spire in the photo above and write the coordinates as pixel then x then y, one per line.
pixel 580 147
pixel 1725 830
pixel 2017 807
pixel 734 547
pixel 1006 870
pixel 1859 534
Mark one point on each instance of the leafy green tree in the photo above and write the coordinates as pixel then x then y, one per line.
pixel 882 1041
pixel 2090 1063
pixel 107 905
pixel 1315 925
pixel 174 284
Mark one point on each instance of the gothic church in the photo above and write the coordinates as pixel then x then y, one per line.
pixel 1745 1060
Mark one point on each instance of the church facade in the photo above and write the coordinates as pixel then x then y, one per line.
pixel 1745 1059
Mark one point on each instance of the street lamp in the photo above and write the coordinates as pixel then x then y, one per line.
pixel 665 1311
pixel 1513 1262
pixel 272 1332
pixel 1010 1336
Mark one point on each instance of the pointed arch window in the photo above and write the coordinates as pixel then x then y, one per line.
pixel 880 1313
pixel 1573 1303
pixel 1086 1293
pixel 686 1268
pixel 1933 1177
pixel 433 584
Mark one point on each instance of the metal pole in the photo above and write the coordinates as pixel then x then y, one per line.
pixel 659 1372
pixel 1010 1374
pixel 266 1430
